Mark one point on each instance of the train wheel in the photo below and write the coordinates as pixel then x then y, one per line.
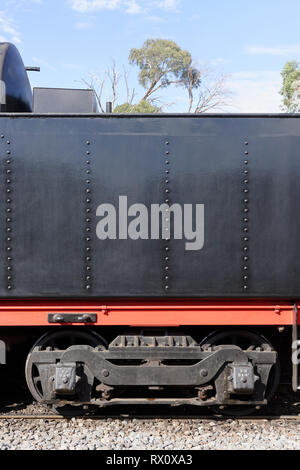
pixel 247 341
pixel 60 340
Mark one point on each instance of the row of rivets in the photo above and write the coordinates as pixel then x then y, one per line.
pixel 166 236
pixel 8 211
pixel 88 219
pixel 245 209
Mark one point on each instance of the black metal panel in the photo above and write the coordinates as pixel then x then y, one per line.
pixel 62 168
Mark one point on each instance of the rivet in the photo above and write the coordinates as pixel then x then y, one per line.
pixel 88 200
pixel 8 210
pixel 88 162
pixel 88 172
pixel 9 258
pixel 167 171
pixel 8 172
pixel 8 239
pixel 9 287
pixel 166 287
pixel 167 181
pixel 246 152
pixel 2 136
pixel 167 200
pixel 88 142
pixel 246 210
pixel 246 143
pixel 88 219
pixel 88 248
pixel 246 191
pixel 87 229
pixel 87 210
pixel 8 161
pixel 245 229
pixel 246 201
pixel 167 258
pixel 88 258
pixel 88 268
pixel 88 152
pixel 245 268
pixel 245 219
pixel 88 239
pixel 8 201
pixel 246 258
pixel 166 190
pixel 8 152
pixel 167 162
pixel 166 278
pixel 8 219
pixel 246 162
pixel 245 287
pixel 167 249
pixel 88 278
pixel 167 152
pixel 87 181
pixel 88 191
pixel 8 181
pixel 8 142
pixel 167 142
pixel 8 248
pixel 9 278
pixel 88 287
pixel 246 172
pixel 9 268
pixel 8 190
pixel 245 248
pixel 246 181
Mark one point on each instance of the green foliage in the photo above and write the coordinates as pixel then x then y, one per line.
pixel 142 107
pixel 161 63
pixel 290 87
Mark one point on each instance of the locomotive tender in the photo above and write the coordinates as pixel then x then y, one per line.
pixel 146 258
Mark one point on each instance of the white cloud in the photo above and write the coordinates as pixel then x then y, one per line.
pixel 133 7
pixel 167 4
pixel 92 5
pixel 255 92
pixel 8 31
pixel 282 51
pixel 129 6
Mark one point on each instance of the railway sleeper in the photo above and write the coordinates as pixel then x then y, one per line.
pixel 225 375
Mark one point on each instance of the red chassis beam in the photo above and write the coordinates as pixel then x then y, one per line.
pixel 144 313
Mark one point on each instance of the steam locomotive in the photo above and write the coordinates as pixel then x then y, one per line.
pixel 146 258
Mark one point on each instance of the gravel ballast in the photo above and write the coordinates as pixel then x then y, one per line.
pixel 153 434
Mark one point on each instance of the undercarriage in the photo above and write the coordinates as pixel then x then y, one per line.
pixel 230 369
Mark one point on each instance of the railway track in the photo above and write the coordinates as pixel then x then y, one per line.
pixel 204 418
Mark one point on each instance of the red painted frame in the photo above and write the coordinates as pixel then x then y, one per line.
pixel 143 313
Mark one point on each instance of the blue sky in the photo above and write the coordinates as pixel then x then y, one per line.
pixel 247 41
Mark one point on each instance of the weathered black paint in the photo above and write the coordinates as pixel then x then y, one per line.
pixel 48 163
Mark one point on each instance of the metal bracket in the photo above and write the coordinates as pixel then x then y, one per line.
pixel 72 317
pixel 2 352
pixel 295 344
